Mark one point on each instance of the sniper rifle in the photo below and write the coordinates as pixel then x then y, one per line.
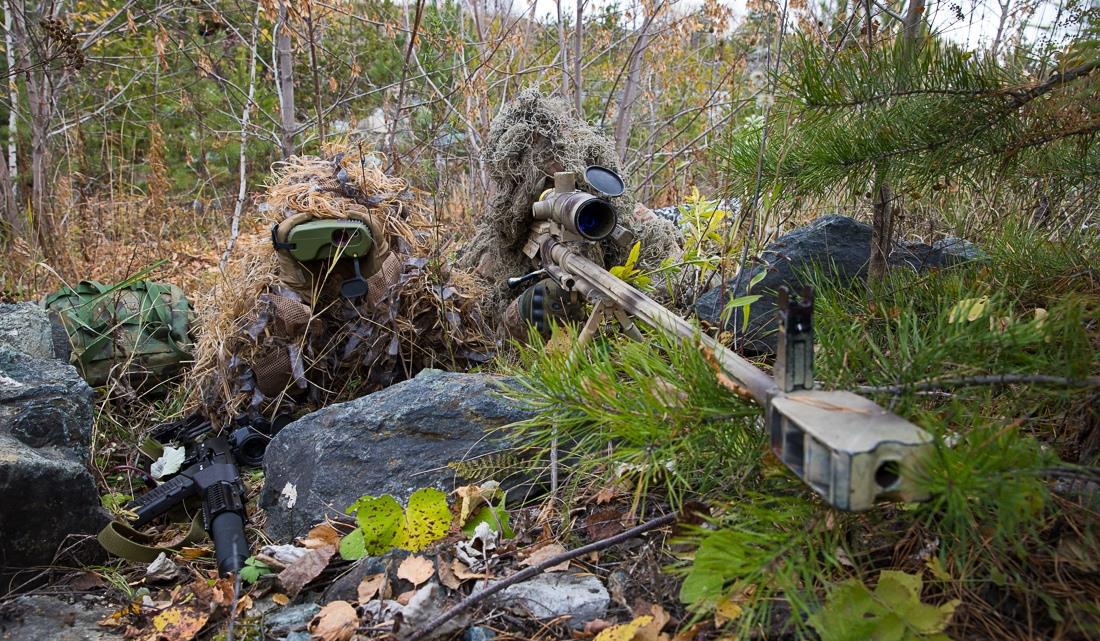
pixel 845 447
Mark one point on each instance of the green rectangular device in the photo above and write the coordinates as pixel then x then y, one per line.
pixel 323 239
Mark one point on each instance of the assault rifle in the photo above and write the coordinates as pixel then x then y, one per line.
pixel 847 448
pixel 210 472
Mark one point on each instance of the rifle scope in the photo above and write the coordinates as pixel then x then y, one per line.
pixel 582 215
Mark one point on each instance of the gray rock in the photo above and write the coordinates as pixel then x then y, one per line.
pixel 835 244
pixel 45 433
pixel 547 596
pixel 391 442
pixel 25 328
pixel 955 249
pixel 44 403
pixel 292 618
pixel 46 618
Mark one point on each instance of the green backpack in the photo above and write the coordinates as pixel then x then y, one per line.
pixel 139 331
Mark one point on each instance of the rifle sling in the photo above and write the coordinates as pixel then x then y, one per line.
pixel 124 541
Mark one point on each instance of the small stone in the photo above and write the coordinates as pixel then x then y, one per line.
pixel 292 618
pixel 161 569
pixel 549 596
pixel 478 633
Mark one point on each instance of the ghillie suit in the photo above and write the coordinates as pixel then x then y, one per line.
pixel 533 137
pixel 282 333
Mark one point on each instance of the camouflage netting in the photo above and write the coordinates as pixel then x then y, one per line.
pixel 276 334
pixel 533 137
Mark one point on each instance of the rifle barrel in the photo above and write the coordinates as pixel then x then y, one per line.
pixel 759 385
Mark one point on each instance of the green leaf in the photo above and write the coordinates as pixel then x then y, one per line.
pixel 427 519
pixel 253 570
pixel 381 521
pixel 353 546
pixel 756 279
pixel 496 517
pixel 894 611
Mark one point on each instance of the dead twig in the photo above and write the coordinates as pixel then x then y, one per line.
pixel 465 604
pixel 972 381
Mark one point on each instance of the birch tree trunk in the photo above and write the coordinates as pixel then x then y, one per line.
pixel 562 49
pixel 246 116
pixel 13 114
pixel 625 118
pixel 578 58
pixel 284 81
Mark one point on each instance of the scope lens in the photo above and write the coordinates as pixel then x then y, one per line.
pixel 595 219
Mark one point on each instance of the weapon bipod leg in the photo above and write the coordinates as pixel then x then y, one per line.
pixel 600 310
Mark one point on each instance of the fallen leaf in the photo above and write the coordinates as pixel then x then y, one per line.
pixel 447 576
pixel 115 618
pixel 603 524
pixel 652 630
pixel 280 599
pixel 337 621
pixel 321 536
pixel 87 581
pixel 279 557
pixel 689 633
pixel 370 586
pixel 472 496
pixel 405 597
pixel 194 553
pixel 463 572
pixel 545 552
pixel 244 604
pixel 607 494
pixel 170 461
pixel 296 576
pixel 625 631
pixel 416 570
pixel 595 626
pixel 723 379
pixel 177 623
pixel 728 609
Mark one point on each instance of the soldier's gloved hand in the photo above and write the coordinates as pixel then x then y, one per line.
pixel 538 304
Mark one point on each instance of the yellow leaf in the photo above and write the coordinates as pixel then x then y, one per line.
pixel 726 611
pixel 652 630
pixel 935 566
pixel 169 617
pixel 624 632
pixel 178 623
pixel 635 252
pixel 473 496
pixel 280 599
pixel 968 309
